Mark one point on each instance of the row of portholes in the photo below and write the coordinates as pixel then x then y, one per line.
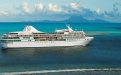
pixel 86 39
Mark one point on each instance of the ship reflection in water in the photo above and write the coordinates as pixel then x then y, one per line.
pixel 41 51
pixel 54 55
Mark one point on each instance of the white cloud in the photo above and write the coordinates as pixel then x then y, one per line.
pixel 53 11
pixel 39 6
pixel 25 8
pixel 4 13
pixel 74 5
pixel 98 10
pixel 54 8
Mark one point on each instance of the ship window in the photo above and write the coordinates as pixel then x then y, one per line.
pixel 3 40
pixel 35 35
pixel 26 37
pixel 15 38
pixel 13 33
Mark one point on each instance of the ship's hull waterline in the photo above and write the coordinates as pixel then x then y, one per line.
pixel 79 42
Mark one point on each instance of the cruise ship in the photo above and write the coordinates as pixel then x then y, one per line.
pixel 31 37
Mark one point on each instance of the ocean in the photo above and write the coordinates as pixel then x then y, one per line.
pixel 102 56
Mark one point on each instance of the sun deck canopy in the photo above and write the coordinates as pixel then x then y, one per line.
pixel 27 30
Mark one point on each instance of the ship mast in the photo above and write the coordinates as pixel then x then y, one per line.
pixel 69 28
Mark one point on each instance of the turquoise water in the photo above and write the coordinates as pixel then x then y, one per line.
pixel 50 27
pixel 103 52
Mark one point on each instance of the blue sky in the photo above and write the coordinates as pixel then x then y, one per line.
pixel 36 10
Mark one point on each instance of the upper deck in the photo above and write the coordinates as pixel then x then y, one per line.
pixel 30 32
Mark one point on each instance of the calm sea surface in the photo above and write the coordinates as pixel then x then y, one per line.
pixel 101 56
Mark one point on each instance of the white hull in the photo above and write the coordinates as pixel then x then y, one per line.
pixel 83 42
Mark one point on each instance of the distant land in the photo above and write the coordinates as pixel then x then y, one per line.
pixel 80 19
pixel 74 19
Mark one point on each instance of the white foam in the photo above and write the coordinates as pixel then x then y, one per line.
pixel 56 71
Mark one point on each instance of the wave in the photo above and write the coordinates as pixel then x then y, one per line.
pixel 58 71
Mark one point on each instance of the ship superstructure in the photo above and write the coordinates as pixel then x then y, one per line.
pixel 31 37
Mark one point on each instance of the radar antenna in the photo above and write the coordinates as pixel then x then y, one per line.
pixel 69 28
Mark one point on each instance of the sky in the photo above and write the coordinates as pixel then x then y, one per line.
pixel 56 10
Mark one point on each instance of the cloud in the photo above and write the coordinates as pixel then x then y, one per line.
pixel 54 12
pixel 114 12
pixel 4 13
pixel 54 8
pixel 74 5
pixel 72 8
pixel 98 10
pixel 106 15
pixel 39 6
pixel 113 16
pixel 25 8
pixel 115 9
